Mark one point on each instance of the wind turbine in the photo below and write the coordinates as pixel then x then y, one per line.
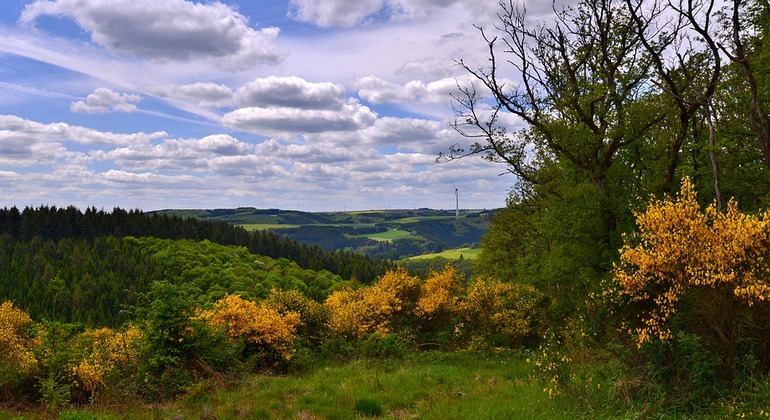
pixel 457 200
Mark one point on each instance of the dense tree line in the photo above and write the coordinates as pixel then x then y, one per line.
pixel 52 223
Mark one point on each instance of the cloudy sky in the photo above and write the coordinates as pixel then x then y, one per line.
pixel 317 105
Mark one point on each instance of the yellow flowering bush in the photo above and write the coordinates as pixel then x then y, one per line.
pixel 438 307
pixel 440 294
pixel 105 351
pixel 312 314
pixel 256 324
pixel 379 308
pixel 680 249
pixel 16 342
pixel 498 312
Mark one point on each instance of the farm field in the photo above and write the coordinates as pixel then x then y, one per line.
pixel 389 235
pixel 452 254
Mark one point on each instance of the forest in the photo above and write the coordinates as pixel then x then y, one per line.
pixel 628 271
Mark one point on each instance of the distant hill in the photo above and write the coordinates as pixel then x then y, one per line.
pixel 388 234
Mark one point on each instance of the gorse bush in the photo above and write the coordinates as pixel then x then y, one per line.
pixel 697 285
pixel 16 340
pixel 501 314
pixel 681 249
pixel 380 308
pixel 440 310
pixel 106 352
pixel 261 328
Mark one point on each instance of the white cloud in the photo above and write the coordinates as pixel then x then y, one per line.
pixel 60 132
pixel 175 154
pixel 349 116
pixel 104 100
pixel 290 92
pixel 377 91
pixel 201 93
pixel 166 30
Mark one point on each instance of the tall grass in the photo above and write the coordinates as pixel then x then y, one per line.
pixel 429 385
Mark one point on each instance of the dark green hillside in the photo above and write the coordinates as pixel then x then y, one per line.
pixel 52 223
pixel 453 233
pixel 74 280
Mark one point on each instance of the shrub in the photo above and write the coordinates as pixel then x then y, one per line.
pixel 679 249
pixel 177 347
pixel 17 358
pixel 499 314
pixel 439 304
pixel 696 284
pixel 384 307
pixel 312 315
pixel 16 340
pixel 263 329
pixel 105 352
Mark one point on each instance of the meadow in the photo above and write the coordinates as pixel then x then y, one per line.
pixel 452 254
pixel 431 385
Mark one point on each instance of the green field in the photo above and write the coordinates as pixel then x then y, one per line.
pixel 388 236
pixel 452 254
pixel 431 385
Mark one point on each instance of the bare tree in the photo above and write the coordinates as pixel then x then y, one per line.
pixel 581 84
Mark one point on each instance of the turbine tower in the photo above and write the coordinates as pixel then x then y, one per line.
pixel 457 200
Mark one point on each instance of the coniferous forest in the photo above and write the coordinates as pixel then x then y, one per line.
pixel 628 275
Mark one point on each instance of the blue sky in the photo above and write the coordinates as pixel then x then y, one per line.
pixel 317 105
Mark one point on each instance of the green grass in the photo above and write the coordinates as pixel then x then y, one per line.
pixel 389 235
pixel 425 385
pixel 452 254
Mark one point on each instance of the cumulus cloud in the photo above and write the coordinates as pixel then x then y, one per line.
pixel 167 30
pixel 377 91
pixel 175 154
pixel 277 120
pixel 281 105
pixel 104 100
pixel 290 92
pixel 60 132
pixel 201 93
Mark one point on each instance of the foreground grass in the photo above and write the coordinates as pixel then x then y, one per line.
pixel 426 386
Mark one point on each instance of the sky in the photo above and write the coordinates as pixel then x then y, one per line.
pixel 312 105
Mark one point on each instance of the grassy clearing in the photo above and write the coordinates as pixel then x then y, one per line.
pixel 389 235
pixel 425 386
pixel 452 254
